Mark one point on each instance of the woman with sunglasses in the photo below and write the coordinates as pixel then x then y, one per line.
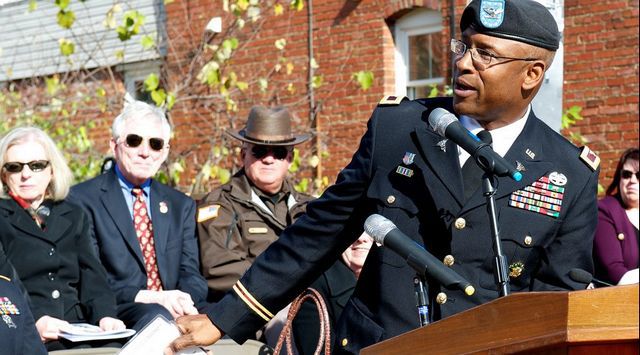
pixel 46 239
pixel 616 240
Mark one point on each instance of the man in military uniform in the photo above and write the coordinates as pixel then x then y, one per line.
pixel 408 173
pixel 240 219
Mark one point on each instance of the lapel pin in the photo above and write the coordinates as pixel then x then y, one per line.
pixel 443 145
pixel 531 154
pixel 408 158
pixel 520 167
pixel 163 207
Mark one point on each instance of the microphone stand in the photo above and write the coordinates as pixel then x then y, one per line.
pixel 421 298
pixel 502 275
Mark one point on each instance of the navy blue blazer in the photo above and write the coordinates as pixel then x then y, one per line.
pixel 118 247
pixel 406 172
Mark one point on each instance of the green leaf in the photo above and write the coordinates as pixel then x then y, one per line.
pixel 166 2
pixel 66 18
pixel 171 100
pixel 278 9
pixel 33 5
pixel 158 96
pixel 297 4
pixel 224 175
pixel 263 84
pixel 316 81
pixel 62 4
pixel 151 82
pixel 364 78
pixel 147 42
pixel 67 47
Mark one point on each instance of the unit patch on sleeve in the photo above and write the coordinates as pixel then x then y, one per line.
pixel 207 212
pixel 391 100
pixel 590 158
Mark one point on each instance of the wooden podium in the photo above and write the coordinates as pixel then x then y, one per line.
pixel 600 321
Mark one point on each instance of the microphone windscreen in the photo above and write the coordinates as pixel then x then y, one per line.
pixel 378 227
pixel 579 275
pixel 440 119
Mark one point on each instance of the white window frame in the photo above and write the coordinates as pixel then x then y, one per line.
pixel 417 22
pixel 137 72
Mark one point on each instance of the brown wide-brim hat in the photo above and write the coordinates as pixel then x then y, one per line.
pixel 268 126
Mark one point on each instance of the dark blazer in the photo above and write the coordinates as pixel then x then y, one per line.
pixel 616 242
pixel 336 286
pixel 58 267
pixel 423 195
pixel 118 247
pixel 18 329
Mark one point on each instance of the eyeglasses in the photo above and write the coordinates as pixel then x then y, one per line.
pixel 134 141
pixel 35 166
pixel 261 151
pixel 480 56
pixel 626 174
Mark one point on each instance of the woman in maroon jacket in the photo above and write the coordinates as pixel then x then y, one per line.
pixel 616 239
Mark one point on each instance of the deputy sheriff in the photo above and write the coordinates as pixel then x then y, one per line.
pixel 410 174
pixel 240 219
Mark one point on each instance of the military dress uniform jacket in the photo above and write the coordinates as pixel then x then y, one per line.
pixel 114 237
pixel 58 266
pixel 406 172
pixel 234 227
pixel 17 329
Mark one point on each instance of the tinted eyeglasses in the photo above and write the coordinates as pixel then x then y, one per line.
pixel 35 166
pixel 261 151
pixel 626 174
pixel 134 141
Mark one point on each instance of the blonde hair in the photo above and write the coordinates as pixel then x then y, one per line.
pixel 61 178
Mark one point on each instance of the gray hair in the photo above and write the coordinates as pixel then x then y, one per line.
pixel 61 179
pixel 138 110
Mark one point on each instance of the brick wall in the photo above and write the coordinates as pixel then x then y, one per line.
pixel 601 75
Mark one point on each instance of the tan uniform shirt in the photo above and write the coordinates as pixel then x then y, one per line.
pixel 235 226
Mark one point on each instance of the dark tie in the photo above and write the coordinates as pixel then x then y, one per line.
pixel 144 232
pixel 471 172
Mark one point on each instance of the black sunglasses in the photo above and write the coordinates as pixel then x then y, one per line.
pixel 35 166
pixel 261 151
pixel 626 174
pixel 134 141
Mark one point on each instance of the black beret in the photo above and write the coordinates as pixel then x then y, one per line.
pixel 520 20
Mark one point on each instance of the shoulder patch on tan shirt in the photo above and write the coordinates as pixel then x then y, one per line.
pixel 207 212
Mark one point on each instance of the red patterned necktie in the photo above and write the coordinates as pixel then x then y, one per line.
pixel 144 231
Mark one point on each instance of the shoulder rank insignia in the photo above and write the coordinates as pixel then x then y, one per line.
pixel 590 158
pixel 391 100
pixel 207 212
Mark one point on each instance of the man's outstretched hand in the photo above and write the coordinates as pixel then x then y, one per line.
pixel 196 330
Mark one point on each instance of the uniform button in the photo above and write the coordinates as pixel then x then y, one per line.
pixel 441 298
pixel 621 236
pixel 528 240
pixel 52 251
pixel 460 223
pixel 391 199
pixel 344 342
pixel 449 260
pixel 55 294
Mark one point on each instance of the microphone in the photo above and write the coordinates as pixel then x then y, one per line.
pixel 585 277
pixel 386 233
pixel 447 125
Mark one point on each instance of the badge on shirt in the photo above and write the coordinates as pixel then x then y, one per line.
pixel 544 196
pixel 207 212
pixel 164 208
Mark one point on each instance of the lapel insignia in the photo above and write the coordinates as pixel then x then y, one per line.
pixel 163 207
pixel 543 196
pixel 590 158
pixel 391 100
pixel 531 154
pixel 7 307
pixel 516 269
pixel 557 178
pixel 520 167
pixel 404 171
pixel 7 319
pixel 408 158
pixel 207 212
pixel 443 145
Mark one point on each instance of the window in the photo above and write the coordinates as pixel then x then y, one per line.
pixel 134 76
pixel 420 54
